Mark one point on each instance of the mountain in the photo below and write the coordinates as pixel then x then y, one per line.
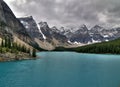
pixel 31 27
pixel 34 31
pixel 53 35
pixel 67 32
pixel 49 38
pixel 27 32
pixel 12 28
pixel 12 22
pixel 95 33
pixel 55 29
pixel 15 42
pixel 84 35
pixel 116 33
pixel 96 29
pixel 101 34
pixel 111 47
pixel 81 35
pixel 41 35
pixel 45 30
pixel 46 37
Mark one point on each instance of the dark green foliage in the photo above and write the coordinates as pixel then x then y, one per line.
pixel 105 47
pixel 7 45
pixel 6 42
pixel 28 50
pixel 34 53
pixel 2 43
pixel 36 46
pixel 1 50
pixel 112 47
pixel 23 48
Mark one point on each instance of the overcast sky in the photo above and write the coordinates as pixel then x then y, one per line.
pixel 69 12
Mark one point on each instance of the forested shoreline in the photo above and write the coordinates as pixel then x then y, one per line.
pixel 111 47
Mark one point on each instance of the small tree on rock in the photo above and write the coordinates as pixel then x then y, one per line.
pixel 34 53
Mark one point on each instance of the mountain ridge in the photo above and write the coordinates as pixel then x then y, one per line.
pixel 15 43
pixel 79 36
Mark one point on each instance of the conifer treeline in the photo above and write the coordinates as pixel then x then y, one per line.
pixel 7 45
pixel 112 47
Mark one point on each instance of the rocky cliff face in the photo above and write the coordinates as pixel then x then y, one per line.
pixel 53 35
pixel 46 37
pixel 3 25
pixel 27 31
pixel 1 12
pixel 81 35
pixel 45 29
pixel 58 36
pixel 49 38
pixel 12 21
pixel 11 26
pixel 31 27
pixel 95 33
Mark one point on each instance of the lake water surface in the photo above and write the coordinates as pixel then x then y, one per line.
pixel 62 69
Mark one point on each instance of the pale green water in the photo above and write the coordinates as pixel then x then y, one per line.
pixel 62 69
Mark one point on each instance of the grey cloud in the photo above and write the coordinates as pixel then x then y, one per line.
pixel 65 12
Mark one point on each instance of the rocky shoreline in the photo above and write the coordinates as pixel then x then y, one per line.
pixel 5 57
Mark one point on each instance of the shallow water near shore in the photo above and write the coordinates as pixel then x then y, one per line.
pixel 62 69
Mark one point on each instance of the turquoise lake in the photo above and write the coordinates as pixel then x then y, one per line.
pixel 62 69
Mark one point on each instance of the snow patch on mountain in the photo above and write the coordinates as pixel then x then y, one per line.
pixel 41 32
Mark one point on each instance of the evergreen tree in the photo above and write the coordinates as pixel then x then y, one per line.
pixel 28 50
pixel 1 50
pixel 8 46
pixel 9 43
pixel 19 47
pixel 2 43
pixel 23 49
pixel 34 53
pixel 6 42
